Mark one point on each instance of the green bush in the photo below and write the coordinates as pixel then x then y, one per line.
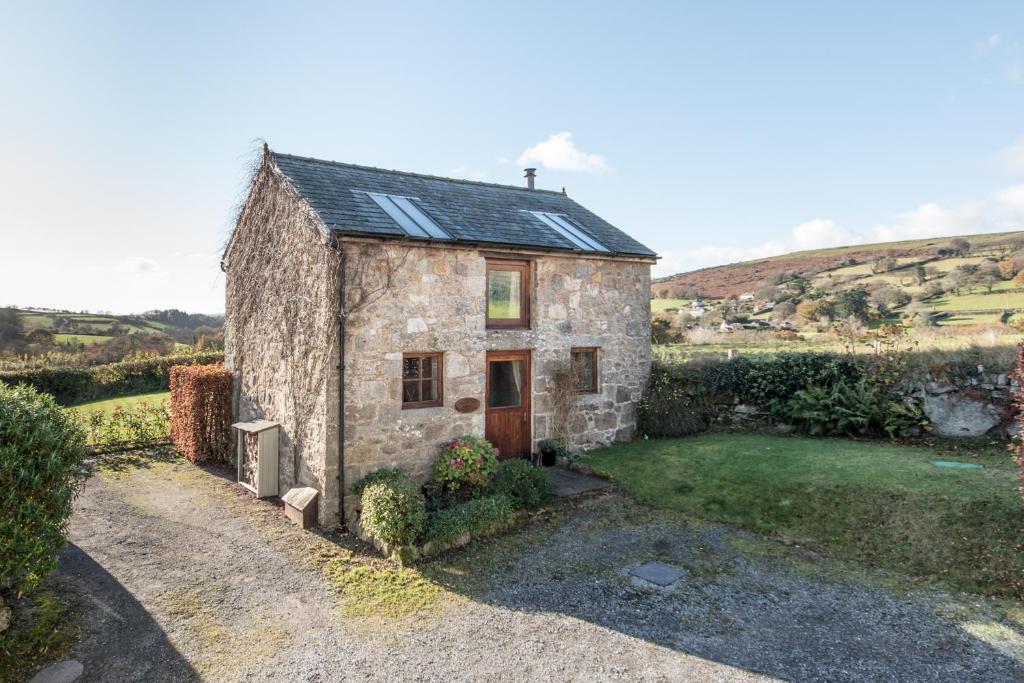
pixel 467 462
pixel 522 483
pixel 393 509
pixel 75 385
pixel 476 516
pixel 41 453
pixel 850 409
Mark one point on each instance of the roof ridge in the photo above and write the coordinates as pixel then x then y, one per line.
pixel 412 174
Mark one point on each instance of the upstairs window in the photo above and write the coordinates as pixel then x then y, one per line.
pixel 422 380
pixel 508 294
pixel 584 369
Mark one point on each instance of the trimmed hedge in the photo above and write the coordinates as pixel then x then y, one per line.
pixel 75 385
pixel 41 454
pixel 474 517
pixel 394 511
pixel 201 412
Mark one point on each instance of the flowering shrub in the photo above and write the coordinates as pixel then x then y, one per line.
pixel 468 461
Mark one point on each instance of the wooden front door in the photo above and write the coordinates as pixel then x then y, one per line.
pixel 508 403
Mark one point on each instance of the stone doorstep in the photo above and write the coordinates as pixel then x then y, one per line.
pixel 573 482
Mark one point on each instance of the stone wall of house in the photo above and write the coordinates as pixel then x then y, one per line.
pixel 281 332
pixel 436 302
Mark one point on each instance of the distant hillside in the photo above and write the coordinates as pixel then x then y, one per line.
pixel 736 278
pixel 90 328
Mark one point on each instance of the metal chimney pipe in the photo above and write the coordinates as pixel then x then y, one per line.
pixel 531 176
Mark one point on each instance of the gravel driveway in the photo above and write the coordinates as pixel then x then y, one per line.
pixel 175 574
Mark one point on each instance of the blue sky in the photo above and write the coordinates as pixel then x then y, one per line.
pixel 711 132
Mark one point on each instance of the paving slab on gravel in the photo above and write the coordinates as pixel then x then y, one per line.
pixel 658 573
pixel 176 574
pixel 570 483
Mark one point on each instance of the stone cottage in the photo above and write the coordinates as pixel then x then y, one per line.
pixel 376 314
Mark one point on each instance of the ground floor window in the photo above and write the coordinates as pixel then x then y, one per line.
pixel 422 380
pixel 584 368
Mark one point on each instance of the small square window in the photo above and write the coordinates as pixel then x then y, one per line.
pixel 584 369
pixel 422 380
pixel 508 294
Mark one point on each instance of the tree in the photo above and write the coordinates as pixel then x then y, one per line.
pixel 815 310
pixel 1007 269
pixel 883 264
pixel 988 275
pixel 1018 279
pixel 920 273
pixel 960 246
pixel 40 336
pixel 12 330
pixel 783 311
pixel 851 303
pixel 767 293
pixel 661 331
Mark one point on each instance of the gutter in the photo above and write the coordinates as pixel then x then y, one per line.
pixel 339 247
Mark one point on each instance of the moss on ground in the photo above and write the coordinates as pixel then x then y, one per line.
pixel 39 633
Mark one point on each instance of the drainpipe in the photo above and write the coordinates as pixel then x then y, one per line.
pixel 341 379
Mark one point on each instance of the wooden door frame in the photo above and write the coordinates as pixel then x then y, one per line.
pixel 525 355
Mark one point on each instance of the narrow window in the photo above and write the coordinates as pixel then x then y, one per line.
pixel 422 380
pixel 584 368
pixel 508 294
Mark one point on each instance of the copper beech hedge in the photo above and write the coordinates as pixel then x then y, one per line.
pixel 201 412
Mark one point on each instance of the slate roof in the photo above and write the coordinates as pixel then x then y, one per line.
pixel 472 212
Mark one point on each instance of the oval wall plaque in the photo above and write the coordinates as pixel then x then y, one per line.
pixel 467 405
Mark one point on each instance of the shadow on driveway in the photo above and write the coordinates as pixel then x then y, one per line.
pixel 120 640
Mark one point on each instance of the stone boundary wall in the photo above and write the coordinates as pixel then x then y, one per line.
pixel 978 405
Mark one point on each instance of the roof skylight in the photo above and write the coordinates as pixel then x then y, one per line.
pixel 570 230
pixel 409 217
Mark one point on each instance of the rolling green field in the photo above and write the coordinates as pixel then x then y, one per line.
pixel 107 406
pixel 660 305
pixel 86 339
pixel 100 323
pixel 996 301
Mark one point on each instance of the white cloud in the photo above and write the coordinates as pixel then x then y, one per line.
pixel 1012 158
pixel 990 43
pixel 1015 72
pixel 1000 211
pixel 821 233
pixel 139 266
pixel 933 220
pixel 1011 200
pixel 560 153
pixel 672 262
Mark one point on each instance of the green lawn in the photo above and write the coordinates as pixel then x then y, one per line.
pixel 873 502
pixel 106 406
